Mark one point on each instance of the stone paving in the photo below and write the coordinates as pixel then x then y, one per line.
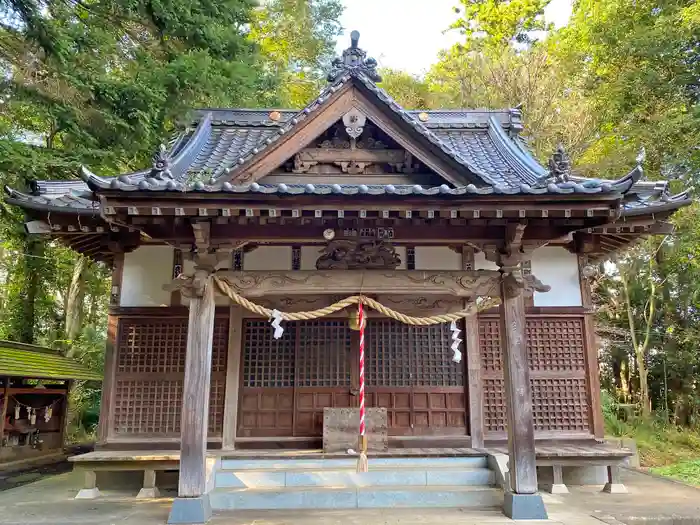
pixel 49 501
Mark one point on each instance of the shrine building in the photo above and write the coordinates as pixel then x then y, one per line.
pixel 428 213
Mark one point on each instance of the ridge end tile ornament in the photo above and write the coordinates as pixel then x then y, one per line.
pixel 354 61
pixel 161 164
pixel 346 254
pixel 559 165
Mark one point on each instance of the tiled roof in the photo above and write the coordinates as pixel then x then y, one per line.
pixel 484 143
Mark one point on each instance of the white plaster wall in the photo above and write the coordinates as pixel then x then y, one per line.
pixel 268 258
pixel 309 255
pixel 146 270
pixel 480 262
pixel 557 267
pixel 401 252
pixel 437 258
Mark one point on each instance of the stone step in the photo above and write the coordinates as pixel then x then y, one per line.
pixel 404 477
pixel 350 463
pixel 352 498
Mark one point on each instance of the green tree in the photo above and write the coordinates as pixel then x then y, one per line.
pixel 500 23
pixel 639 65
pixel 297 39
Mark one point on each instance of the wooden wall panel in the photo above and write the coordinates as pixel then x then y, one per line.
pixel 149 374
pixel 556 346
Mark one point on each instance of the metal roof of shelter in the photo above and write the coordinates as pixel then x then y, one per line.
pixel 36 362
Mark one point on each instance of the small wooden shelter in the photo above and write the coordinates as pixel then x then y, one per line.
pixel 425 211
pixel 35 383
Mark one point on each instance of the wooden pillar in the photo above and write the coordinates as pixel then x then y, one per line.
pixel 521 433
pixel 195 395
pixel 5 403
pixel 65 411
pixel 523 502
pixel 105 425
pixel 192 504
pixel 474 383
pixel 233 367
pixel 591 354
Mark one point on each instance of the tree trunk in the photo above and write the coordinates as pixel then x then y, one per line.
pixel 74 304
pixel 641 347
pixel 23 325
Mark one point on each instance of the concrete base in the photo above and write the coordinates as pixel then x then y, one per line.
pixel 615 488
pixel 190 510
pixel 151 493
pixel 558 488
pixel 524 506
pixel 93 493
pixel 574 476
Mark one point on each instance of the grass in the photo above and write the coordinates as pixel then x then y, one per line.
pixel 688 471
pixel 664 449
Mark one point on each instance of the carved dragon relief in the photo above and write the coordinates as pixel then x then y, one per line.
pixel 350 282
pixel 362 254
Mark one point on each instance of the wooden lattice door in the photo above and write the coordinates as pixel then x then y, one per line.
pixel 287 383
pixel 410 372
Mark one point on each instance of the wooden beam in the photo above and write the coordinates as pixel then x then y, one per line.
pixel 313 232
pixel 456 283
pixel 521 434
pixel 233 367
pixel 195 395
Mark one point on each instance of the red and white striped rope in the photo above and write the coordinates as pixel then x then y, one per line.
pixel 361 320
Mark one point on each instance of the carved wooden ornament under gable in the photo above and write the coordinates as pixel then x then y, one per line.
pixel 353 147
pixel 363 254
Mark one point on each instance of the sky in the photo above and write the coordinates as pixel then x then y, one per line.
pixel 407 34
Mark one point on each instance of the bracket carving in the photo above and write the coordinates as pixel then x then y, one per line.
pixel 509 255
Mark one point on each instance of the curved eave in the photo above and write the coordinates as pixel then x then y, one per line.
pixel 178 164
pixel 30 202
pixel 521 162
pixel 665 205
pixel 553 189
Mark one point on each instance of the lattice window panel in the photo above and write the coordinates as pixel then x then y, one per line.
pixel 560 404
pixel 268 362
pixel 490 345
pixel 147 407
pixel 156 347
pixel 402 355
pixel 216 406
pixel 154 407
pixel 494 405
pixel 152 346
pixel 219 346
pixel 555 344
pixel 323 353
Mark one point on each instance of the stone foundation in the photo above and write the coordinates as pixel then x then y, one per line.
pixel 341 429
